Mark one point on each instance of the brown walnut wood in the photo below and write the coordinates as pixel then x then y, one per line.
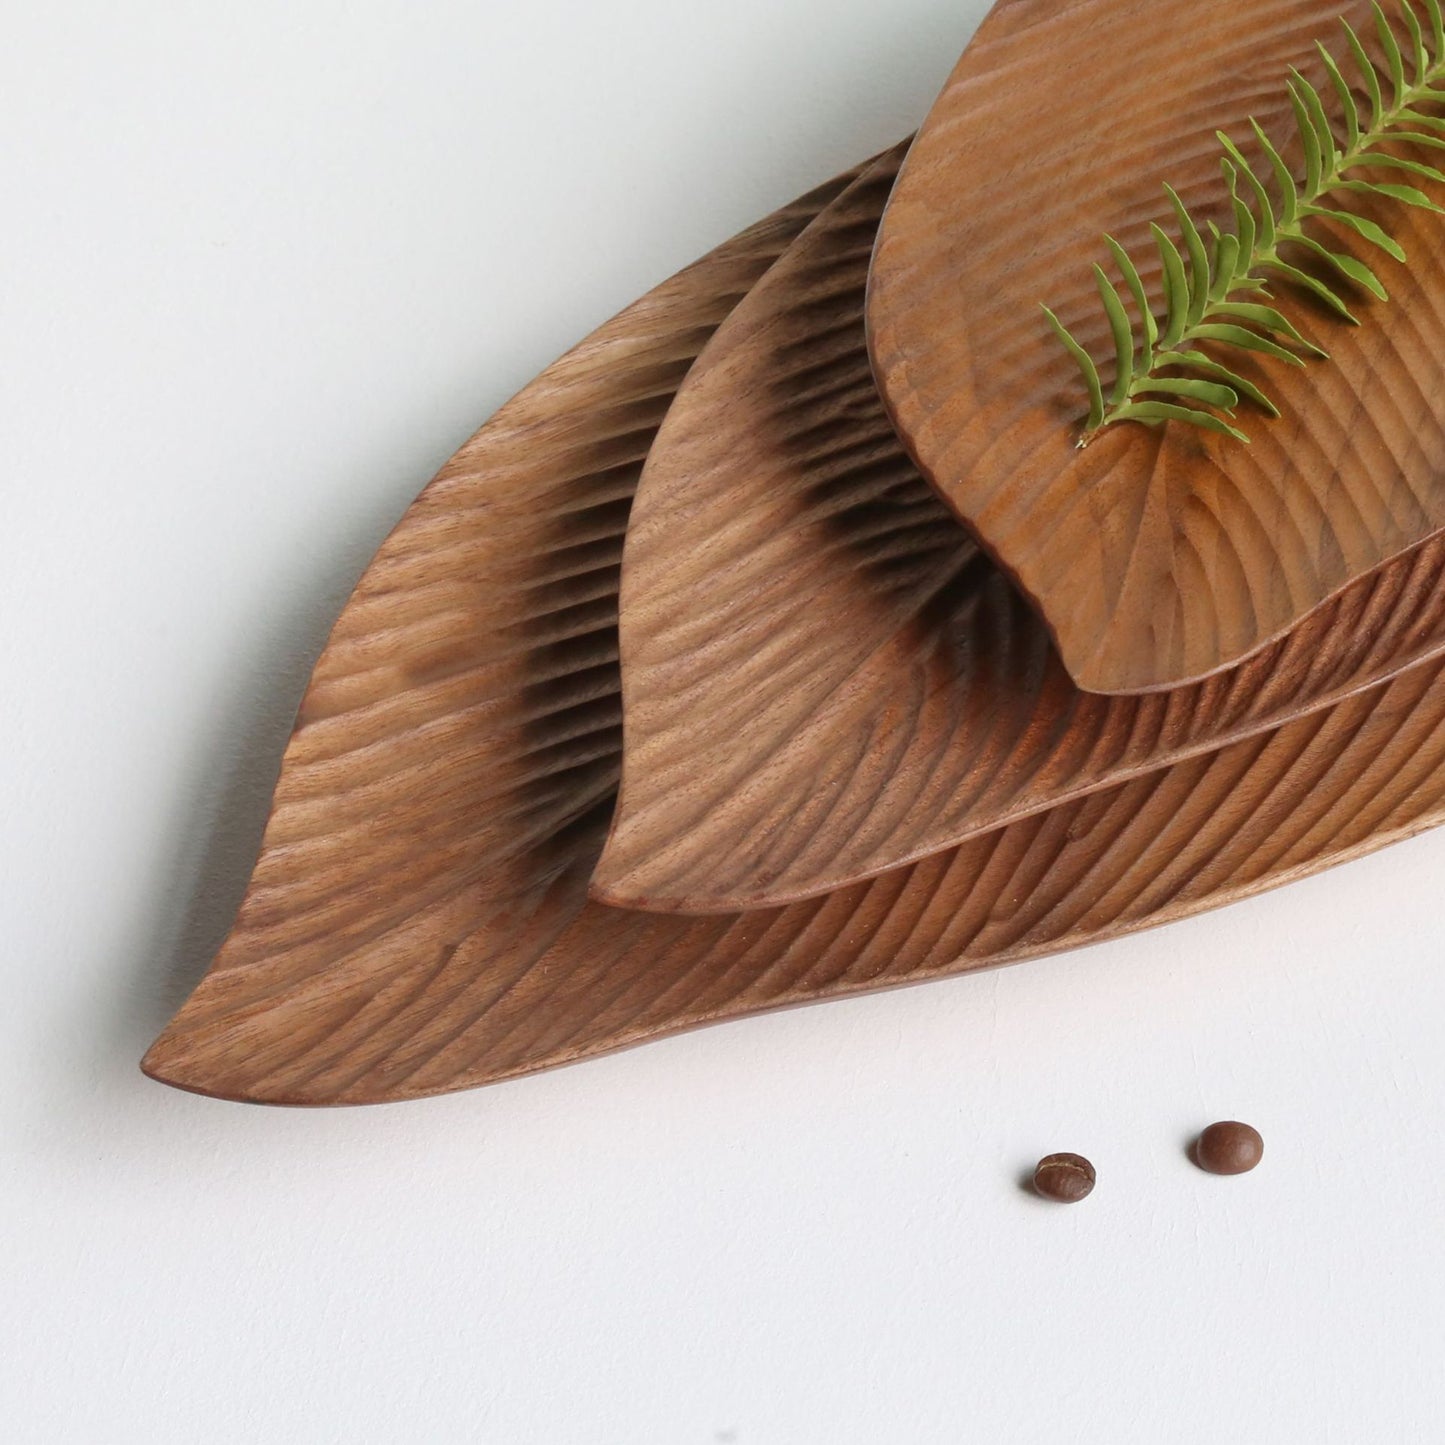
pixel 1155 555
pixel 461 729
pixel 417 921
pixel 824 679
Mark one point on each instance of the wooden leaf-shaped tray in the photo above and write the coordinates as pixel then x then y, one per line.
pixel 823 677
pixel 1156 554
pixel 417 921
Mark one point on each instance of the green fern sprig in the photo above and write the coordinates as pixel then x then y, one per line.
pixel 1215 289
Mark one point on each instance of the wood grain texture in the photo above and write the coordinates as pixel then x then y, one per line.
pixel 418 920
pixel 1155 555
pixel 463 724
pixel 823 677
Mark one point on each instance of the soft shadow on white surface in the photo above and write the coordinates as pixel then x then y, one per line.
pixel 266 268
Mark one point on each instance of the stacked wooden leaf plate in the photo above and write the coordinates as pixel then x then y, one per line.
pixel 781 641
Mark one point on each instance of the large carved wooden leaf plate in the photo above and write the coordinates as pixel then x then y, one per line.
pixel 824 678
pixel 418 922
pixel 462 725
pixel 1156 555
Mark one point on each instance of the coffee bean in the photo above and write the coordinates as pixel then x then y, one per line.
pixel 1064 1177
pixel 1228 1148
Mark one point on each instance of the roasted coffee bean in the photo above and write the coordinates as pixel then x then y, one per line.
pixel 1064 1177
pixel 1228 1147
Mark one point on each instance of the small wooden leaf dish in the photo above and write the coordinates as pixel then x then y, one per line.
pixel 417 921
pixel 1156 554
pixel 824 679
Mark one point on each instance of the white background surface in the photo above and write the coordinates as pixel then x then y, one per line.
pixel 263 267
